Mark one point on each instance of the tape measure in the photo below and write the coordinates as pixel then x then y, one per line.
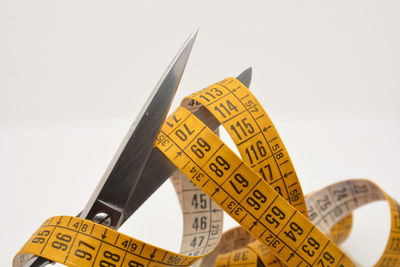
pixel 260 190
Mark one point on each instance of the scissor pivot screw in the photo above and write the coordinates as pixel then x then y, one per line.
pixel 102 218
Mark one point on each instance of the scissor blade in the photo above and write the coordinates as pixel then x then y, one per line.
pixel 158 168
pixel 115 189
pixel 245 77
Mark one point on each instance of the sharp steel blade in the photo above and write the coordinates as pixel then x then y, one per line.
pixel 158 168
pixel 153 177
pixel 245 77
pixel 117 184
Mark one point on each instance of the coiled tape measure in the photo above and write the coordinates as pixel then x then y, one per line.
pixel 260 190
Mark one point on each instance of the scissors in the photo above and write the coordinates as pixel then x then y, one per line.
pixel 138 168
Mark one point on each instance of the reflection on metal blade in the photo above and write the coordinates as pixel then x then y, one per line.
pixel 116 187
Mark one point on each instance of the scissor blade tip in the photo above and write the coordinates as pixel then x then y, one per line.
pixel 245 76
pixel 182 57
pixel 190 40
pixel 195 31
pixel 249 71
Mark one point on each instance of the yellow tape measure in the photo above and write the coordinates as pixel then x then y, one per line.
pixel 261 192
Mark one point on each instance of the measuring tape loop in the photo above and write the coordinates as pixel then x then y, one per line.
pixel 330 209
pixel 229 250
pixel 260 190
pixel 234 185
pixel 254 135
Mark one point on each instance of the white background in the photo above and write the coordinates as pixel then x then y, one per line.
pixel 73 75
